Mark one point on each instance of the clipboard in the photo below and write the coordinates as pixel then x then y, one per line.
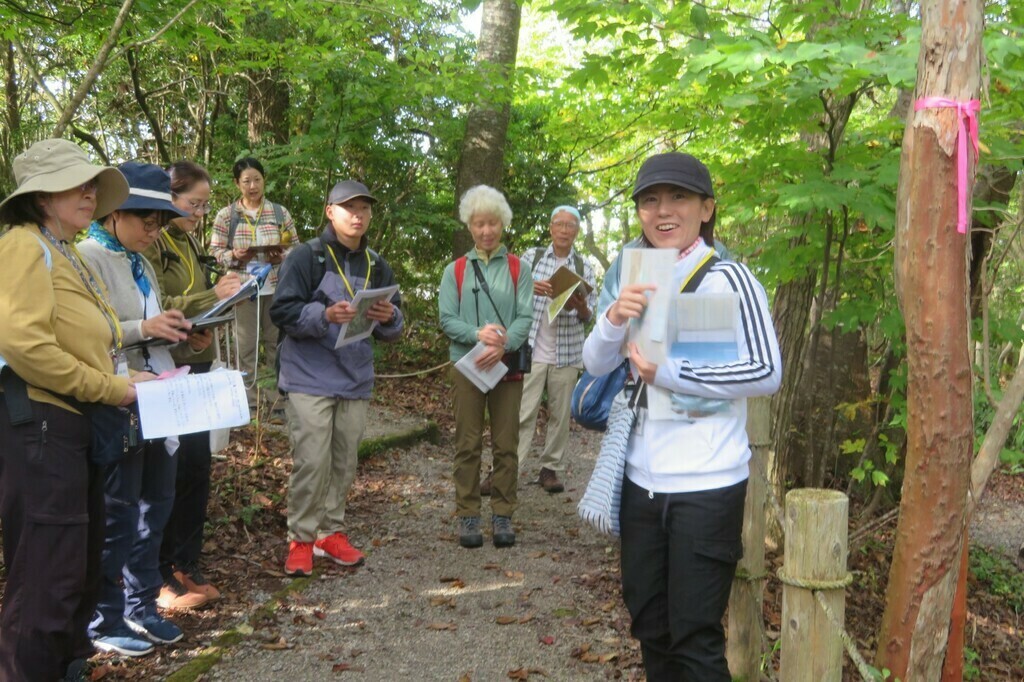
pixel 250 288
pixel 266 248
pixel 198 325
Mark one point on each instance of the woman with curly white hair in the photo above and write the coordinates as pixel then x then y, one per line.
pixel 486 297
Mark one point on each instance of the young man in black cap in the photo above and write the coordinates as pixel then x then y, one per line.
pixel 329 388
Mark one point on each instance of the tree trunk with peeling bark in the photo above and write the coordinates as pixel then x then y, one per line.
pixel 932 285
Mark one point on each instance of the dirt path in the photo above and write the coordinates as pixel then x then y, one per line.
pixel 423 608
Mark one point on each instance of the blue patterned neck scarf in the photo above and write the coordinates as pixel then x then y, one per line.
pixel 100 234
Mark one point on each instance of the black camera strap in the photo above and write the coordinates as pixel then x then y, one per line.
pixel 482 284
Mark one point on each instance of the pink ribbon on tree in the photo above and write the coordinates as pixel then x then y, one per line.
pixel 964 110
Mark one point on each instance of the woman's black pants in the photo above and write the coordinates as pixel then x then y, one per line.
pixel 51 506
pixel 183 536
pixel 679 555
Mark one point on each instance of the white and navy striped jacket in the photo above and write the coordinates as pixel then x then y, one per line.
pixel 712 451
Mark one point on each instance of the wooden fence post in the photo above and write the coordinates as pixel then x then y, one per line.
pixel 815 561
pixel 744 646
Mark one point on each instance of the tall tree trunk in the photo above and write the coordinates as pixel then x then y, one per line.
pixel 10 135
pixel 482 159
pixel 268 91
pixel 932 286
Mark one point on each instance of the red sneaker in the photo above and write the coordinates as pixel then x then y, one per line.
pixel 337 548
pixel 300 559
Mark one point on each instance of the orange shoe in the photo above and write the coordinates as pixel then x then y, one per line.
pixel 337 548
pixel 174 596
pixel 300 559
pixel 194 581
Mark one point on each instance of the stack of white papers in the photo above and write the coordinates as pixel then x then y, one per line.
pixel 192 403
pixel 362 326
pixel 483 379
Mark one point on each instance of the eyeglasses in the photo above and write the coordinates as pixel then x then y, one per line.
pixel 89 187
pixel 151 226
pixel 565 225
pixel 197 207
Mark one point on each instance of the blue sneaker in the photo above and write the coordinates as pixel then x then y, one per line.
pixel 123 641
pixel 156 629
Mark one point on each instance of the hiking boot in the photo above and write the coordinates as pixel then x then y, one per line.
pixel 300 559
pixel 548 480
pixel 194 581
pixel 123 641
pixel 336 547
pixel 503 535
pixel 175 596
pixel 485 486
pixel 469 531
pixel 156 629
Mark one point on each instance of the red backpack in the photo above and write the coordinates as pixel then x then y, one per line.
pixel 513 270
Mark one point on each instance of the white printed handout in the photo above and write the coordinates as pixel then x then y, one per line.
pixel 192 403
pixel 650 266
pixel 362 326
pixel 483 379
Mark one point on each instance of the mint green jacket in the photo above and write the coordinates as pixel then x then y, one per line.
pixel 462 317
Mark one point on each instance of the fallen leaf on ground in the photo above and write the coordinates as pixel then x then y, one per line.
pixel 443 601
pixel 345 667
pixel 505 620
pixel 527 618
pixel 280 644
pixel 515 575
pixel 465 678
pixel 319 614
pixel 592 620
pixel 442 626
pixel 546 639
pixel 99 672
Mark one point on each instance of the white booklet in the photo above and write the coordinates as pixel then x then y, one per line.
pixel 362 326
pixel 191 403
pixel 483 379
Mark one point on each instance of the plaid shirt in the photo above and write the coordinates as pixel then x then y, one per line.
pixel 569 348
pixel 265 231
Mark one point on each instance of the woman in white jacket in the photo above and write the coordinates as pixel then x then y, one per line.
pixel 686 476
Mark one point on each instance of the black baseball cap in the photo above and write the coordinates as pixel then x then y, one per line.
pixel 349 189
pixel 674 168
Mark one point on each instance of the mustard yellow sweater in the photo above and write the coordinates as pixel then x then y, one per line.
pixel 52 333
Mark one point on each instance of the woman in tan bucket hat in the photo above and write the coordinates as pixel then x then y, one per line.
pixel 59 341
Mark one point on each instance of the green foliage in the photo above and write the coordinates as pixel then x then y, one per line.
pixel 999 576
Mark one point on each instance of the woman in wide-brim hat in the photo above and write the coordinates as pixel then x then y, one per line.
pixel 58 338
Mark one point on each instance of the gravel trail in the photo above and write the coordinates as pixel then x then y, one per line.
pixel 423 608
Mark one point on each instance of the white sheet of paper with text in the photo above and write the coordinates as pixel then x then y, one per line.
pixel 192 403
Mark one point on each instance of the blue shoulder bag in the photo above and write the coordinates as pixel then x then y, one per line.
pixel 592 398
